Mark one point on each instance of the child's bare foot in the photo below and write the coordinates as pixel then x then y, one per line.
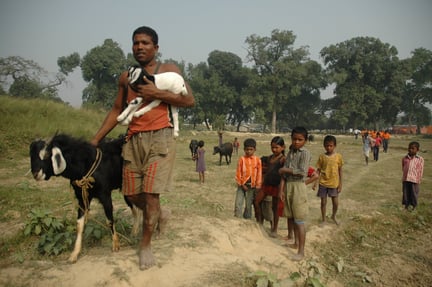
pixel 274 234
pixel 297 257
pixel 334 220
pixel 293 246
pixel 322 224
pixel 146 259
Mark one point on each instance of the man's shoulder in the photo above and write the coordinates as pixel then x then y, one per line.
pixel 169 67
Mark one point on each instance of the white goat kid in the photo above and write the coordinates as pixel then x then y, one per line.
pixel 168 81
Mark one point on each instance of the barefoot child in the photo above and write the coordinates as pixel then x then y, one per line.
pixel 329 168
pixel 271 182
pixel 248 178
pixel 312 177
pixel 293 191
pixel 412 172
pixel 200 161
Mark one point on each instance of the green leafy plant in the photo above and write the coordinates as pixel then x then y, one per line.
pixel 56 236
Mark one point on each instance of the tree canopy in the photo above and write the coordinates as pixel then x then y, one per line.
pixel 278 85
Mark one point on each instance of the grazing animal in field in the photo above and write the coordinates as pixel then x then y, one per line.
pixel 168 81
pixel 226 150
pixel 193 146
pixel 311 138
pixel 93 173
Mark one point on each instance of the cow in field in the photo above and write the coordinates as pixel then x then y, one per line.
pixel 226 150
pixel 193 146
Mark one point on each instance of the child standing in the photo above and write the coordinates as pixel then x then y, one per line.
pixel 412 172
pixel 367 143
pixel 271 182
pixel 248 178
pixel 329 167
pixel 236 145
pixel 200 161
pixel 292 189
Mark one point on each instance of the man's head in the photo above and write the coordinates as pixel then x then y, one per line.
pixel 145 45
pixel 148 31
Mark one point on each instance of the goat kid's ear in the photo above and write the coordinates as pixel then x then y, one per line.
pixel 58 161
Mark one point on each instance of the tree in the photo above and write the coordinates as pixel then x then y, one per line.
pixel 363 69
pixel 229 69
pixel 418 88
pixel 26 78
pixel 101 67
pixel 276 63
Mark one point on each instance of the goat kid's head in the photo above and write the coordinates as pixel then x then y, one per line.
pixel 46 160
pixel 136 76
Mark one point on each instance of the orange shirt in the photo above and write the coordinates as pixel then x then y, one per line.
pixel 155 119
pixel 249 167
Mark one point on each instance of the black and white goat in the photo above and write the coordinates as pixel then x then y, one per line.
pixel 75 159
pixel 168 81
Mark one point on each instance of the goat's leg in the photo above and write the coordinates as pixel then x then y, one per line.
pixel 175 121
pixel 130 110
pixel 80 230
pixel 137 216
pixel 147 108
pixel 108 208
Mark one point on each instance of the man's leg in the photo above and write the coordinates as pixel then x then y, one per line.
pixel 149 203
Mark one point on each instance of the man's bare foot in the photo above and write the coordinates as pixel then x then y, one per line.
pixel 146 259
pixel 322 224
pixel 297 257
pixel 163 221
pixel 274 234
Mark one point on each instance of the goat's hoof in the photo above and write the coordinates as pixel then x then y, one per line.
pixel 73 258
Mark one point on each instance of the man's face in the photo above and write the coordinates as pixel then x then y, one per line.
pixel 143 48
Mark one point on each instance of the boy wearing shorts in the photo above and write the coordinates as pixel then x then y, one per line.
pixel 329 168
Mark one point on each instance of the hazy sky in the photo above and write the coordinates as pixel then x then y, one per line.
pixel 43 30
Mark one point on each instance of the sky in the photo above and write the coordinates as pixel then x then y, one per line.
pixel 44 30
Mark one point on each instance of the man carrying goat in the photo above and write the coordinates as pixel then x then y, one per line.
pixel 149 151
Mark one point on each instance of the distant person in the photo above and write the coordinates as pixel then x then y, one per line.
pixel 356 133
pixel 293 191
pixel 386 139
pixel 329 168
pixel 412 173
pixel 271 180
pixel 200 161
pixel 220 138
pixel 236 145
pixel 248 178
pixel 377 146
pixel 367 142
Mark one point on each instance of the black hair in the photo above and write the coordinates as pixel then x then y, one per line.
pixel 249 143
pixel 300 130
pixel 201 143
pixel 148 31
pixel 278 140
pixel 329 139
pixel 415 144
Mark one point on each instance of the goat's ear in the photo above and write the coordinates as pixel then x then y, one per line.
pixel 58 161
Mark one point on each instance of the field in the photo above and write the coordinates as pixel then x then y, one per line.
pixel 376 244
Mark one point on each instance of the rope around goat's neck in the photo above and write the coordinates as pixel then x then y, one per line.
pixel 87 182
